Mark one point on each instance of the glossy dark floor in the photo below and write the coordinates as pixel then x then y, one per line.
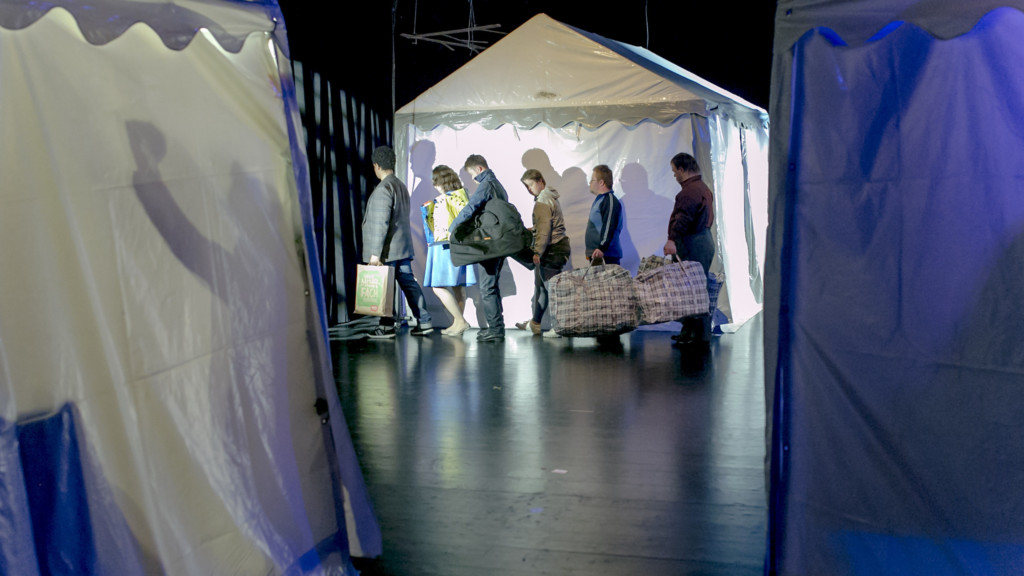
pixel 556 456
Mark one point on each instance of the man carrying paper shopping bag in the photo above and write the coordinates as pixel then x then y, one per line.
pixel 387 240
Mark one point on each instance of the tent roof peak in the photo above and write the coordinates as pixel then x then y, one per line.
pixel 550 72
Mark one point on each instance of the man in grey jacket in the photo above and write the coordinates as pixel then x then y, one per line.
pixel 387 240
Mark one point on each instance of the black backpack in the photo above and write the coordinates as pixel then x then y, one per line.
pixel 496 231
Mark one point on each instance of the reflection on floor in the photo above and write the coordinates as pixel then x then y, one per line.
pixel 557 456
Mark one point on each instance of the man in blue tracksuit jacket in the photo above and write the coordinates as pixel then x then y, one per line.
pixel 605 221
pixel 488 187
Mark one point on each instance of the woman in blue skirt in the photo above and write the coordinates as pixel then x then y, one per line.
pixel 448 281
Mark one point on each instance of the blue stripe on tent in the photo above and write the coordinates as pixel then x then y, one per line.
pixel 832 36
pixel 888 29
pixel 316 558
pixel 868 554
pixel 57 501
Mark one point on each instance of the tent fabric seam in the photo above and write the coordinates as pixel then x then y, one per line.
pixel 224 40
pixel 785 42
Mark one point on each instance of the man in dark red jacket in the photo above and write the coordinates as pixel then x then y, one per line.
pixel 689 235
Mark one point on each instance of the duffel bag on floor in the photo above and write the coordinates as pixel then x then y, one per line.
pixel 672 291
pixel 593 301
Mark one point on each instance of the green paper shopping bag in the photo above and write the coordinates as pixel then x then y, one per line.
pixel 375 290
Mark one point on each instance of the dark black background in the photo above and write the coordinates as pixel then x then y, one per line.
pixel 728 43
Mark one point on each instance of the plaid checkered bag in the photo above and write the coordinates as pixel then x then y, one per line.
pixel 651 262
pixel 593 301
pixel 671 292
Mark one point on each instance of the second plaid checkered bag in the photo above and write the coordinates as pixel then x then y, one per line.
pixel 671 292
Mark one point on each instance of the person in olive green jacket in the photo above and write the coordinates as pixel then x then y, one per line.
pixel 551 249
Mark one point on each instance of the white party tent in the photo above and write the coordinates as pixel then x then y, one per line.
pixel 562 100
pixel 894 329
pixel 162 343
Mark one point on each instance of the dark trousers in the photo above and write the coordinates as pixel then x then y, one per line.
pixel 551 264
pixel 697 248
pixel 413 293
pixel 490 294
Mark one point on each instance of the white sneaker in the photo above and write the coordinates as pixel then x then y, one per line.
pixel 551 334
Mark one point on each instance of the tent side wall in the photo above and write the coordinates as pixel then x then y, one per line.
pixel 893 351
pixel 158 283
pixel 639 156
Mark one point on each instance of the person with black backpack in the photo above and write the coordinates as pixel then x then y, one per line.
pixel 488 188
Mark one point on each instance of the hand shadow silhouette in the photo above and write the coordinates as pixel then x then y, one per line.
pixel 245 409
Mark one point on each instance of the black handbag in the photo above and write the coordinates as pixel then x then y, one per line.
pixel 496 231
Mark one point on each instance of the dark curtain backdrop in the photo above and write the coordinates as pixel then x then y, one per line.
pixel 341 132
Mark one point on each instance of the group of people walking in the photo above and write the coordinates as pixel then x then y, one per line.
pixel 387 241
